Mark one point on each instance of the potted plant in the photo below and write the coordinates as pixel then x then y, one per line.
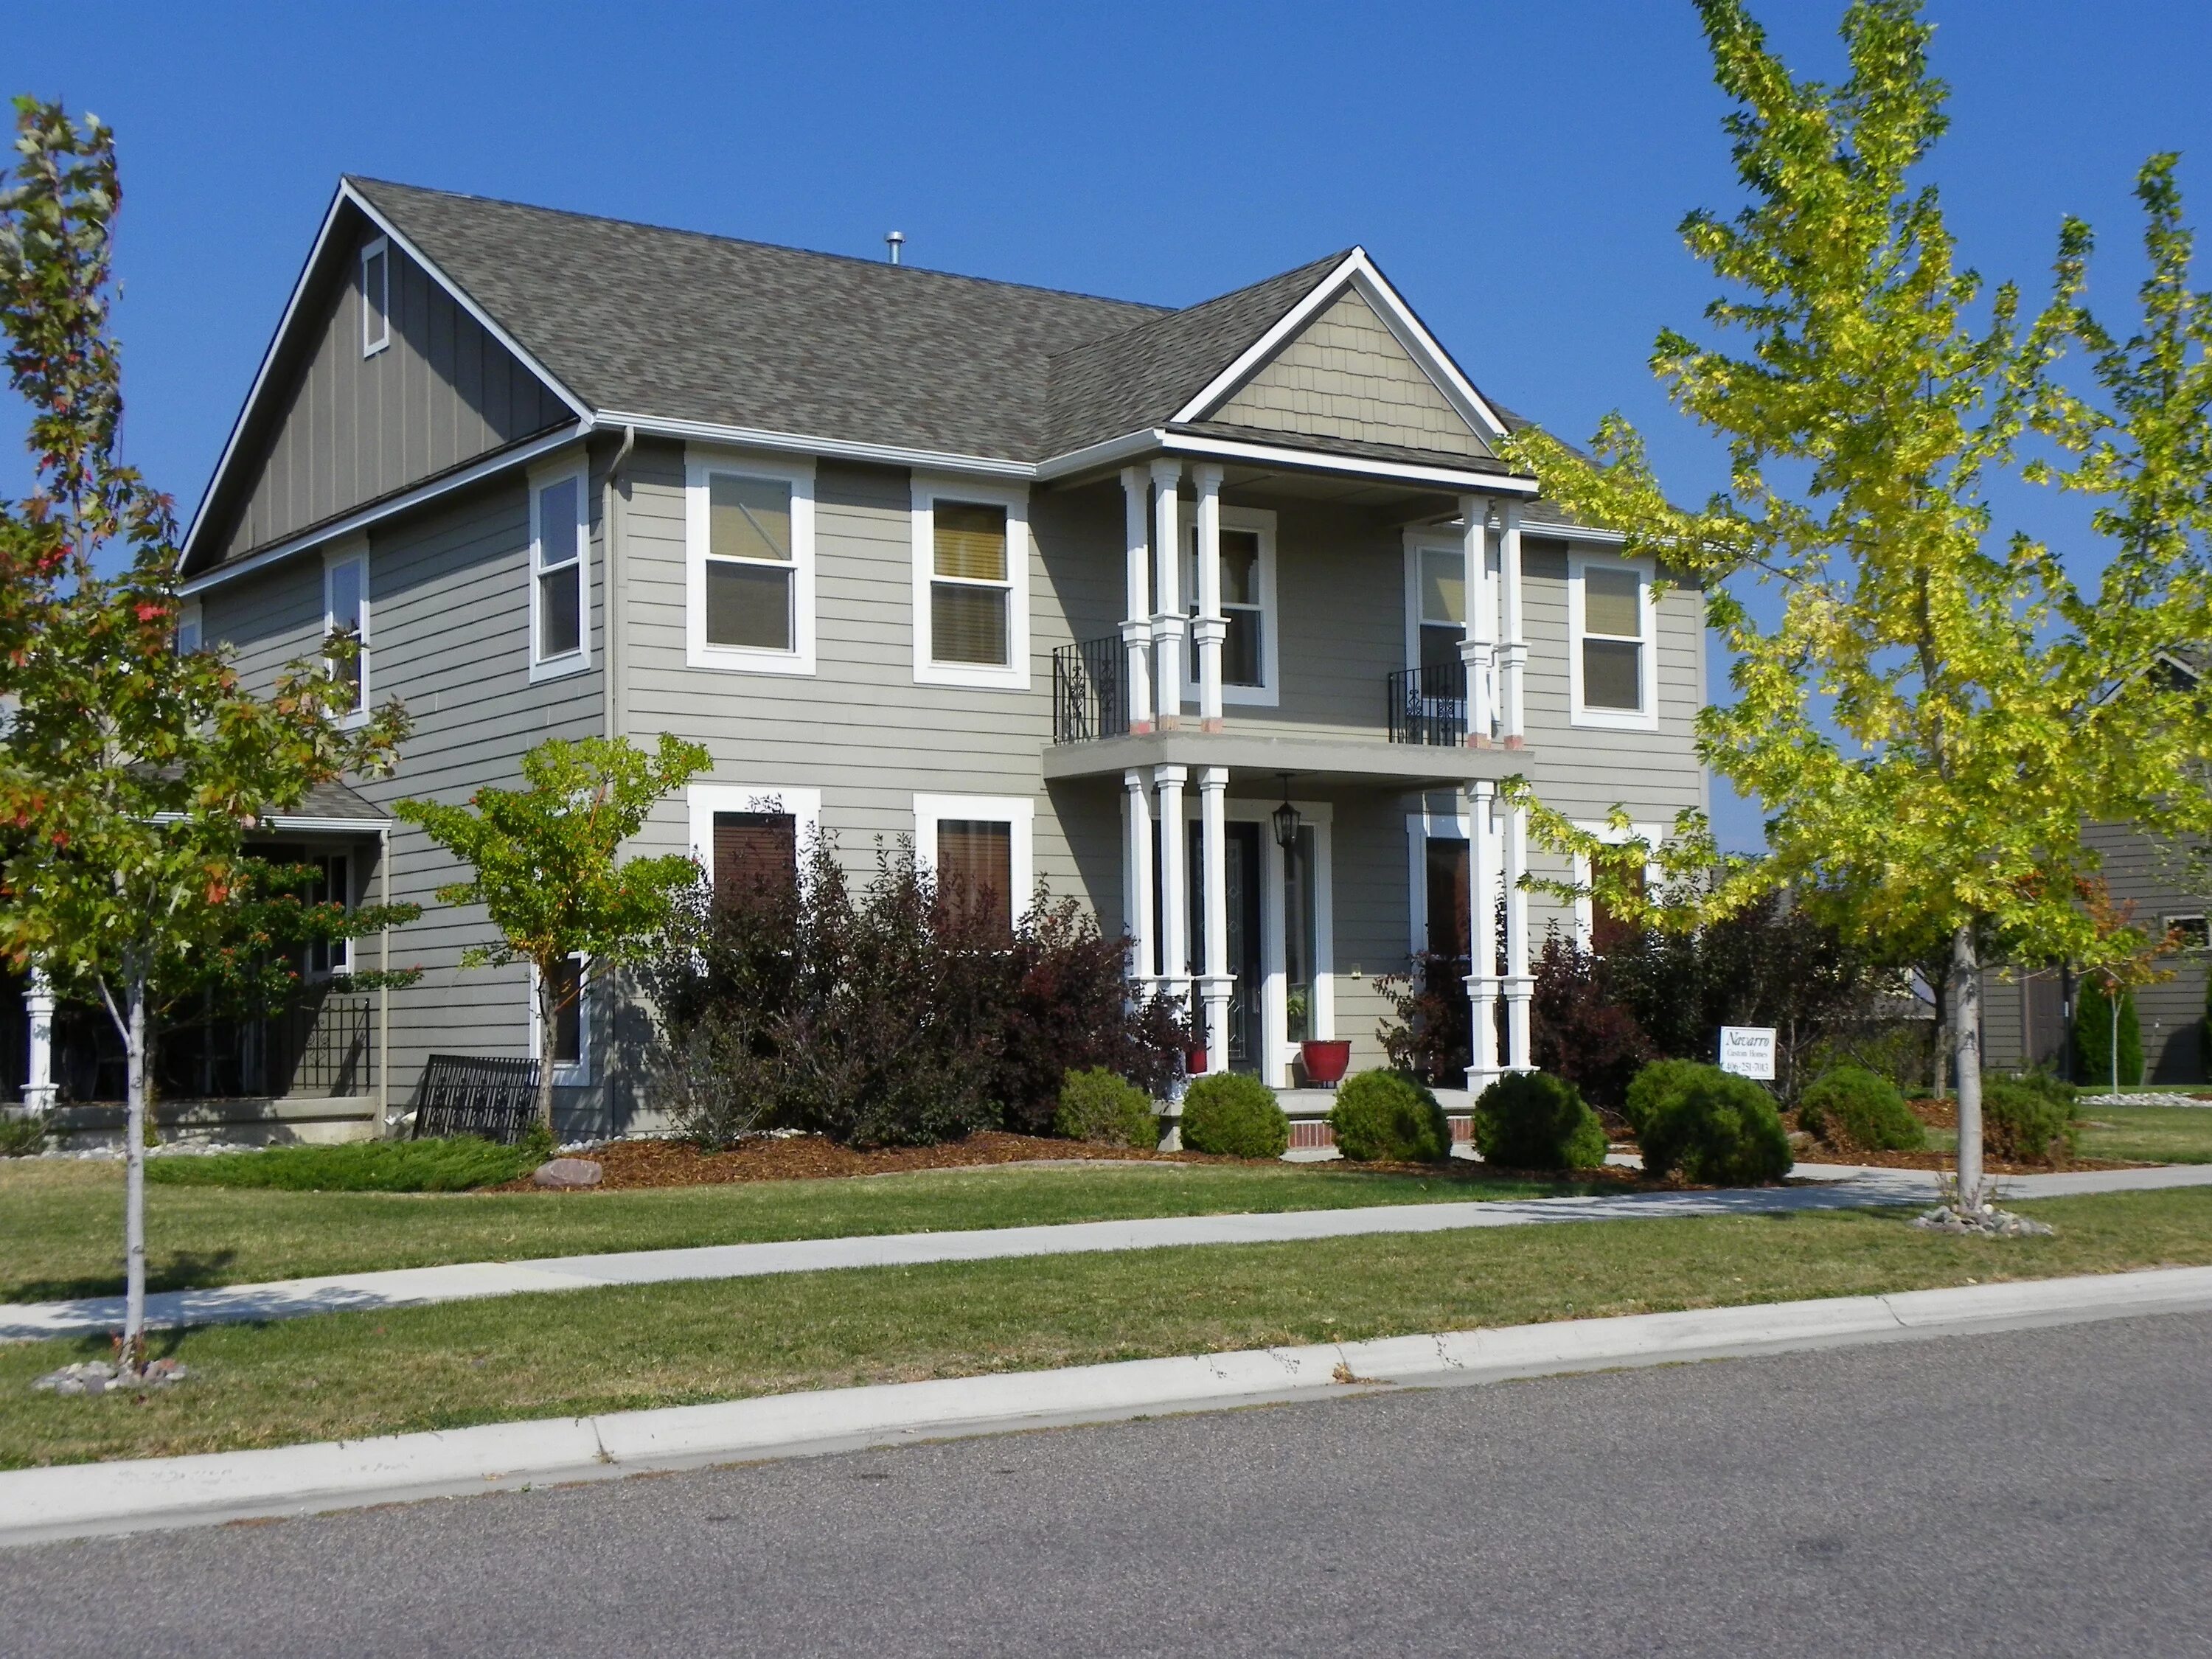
pixel 1324 1060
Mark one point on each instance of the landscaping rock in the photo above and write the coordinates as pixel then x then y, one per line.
pixel 1984 1221
pixel 568 1174
pixel 96 1376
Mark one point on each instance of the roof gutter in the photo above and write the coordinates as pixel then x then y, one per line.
pixel 833 449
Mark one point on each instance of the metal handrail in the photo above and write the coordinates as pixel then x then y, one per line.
pixel 1090 691
pixel 1428 705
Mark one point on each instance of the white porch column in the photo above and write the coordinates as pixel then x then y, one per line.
pixel 1136 628
pixel 1517 644
pixel 39 1070
pixel 1137 884
pixel 1216 983
pixel 1477 652
pixel 1211 628
pixel 1167 620
pixel 1520 985
pixel 1483 1069
pixel 1174 894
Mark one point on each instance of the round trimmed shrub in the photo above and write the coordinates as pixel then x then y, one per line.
pixel 1851 1106
pixel 1229 1112
pixel 2023 1123
pixel 1101 1107
pixel 1534 1121
pixel 1715 1127
pixel 1390 1116
pixel 1653 1084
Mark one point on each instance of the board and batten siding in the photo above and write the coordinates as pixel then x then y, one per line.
pixel 343 429
pixel 449 600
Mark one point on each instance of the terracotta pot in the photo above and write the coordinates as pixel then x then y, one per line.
pixel 1325 1062
pixel 1194 1060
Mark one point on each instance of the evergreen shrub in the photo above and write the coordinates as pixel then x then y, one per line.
pixel 1108 1110
pixel 1851 1106
pixel 2092 1037
pixel 1390 1116
pixel 1534 1121
pixel 1231 1112
pixel 1715 1127
pixel 2023 1122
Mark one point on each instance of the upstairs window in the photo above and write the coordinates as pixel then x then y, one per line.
pixel 375 297
pixel 1248 603
pixel 560 533
pixel 189 631
pixel 1611 660
pixel 1440 592
pixel 345 616
pixel 971 587
pixel 749 536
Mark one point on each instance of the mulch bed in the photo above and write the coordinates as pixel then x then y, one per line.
pixel 630 1164
pixel 1944 1115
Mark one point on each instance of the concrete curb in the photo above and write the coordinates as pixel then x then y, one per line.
pixel 92 1500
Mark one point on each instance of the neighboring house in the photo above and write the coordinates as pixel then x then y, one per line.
pixel 1023 574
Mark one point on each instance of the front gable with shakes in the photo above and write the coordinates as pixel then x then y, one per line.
pixel 907 549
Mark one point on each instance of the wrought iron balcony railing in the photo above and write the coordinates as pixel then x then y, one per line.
pixel 1090 691
pixel 1429 705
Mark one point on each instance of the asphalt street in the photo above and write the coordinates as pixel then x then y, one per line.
pixel 2041 1492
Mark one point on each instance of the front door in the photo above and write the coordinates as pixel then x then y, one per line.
pixel 1241 857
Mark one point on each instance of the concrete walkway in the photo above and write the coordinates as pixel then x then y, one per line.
pixel 1841 1186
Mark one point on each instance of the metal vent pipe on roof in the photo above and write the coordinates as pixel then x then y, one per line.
pixel 894 242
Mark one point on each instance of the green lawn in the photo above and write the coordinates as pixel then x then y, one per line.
pixel 2132 1134
pixel 61 1224
pixel 344 1374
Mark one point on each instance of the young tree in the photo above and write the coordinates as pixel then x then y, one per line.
pixel 1932 715
pixel 546 871
pixel 132 774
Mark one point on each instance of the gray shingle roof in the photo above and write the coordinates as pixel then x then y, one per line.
pixel 677 325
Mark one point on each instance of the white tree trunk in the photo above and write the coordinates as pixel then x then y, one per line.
pixel 134 1178
pixel 549 1032
pixel 1966 1061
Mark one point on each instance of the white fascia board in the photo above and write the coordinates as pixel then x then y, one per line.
pixel 361 519
pixel 460 297
pixel 835 449
pixel 326 826
pixel 1358 272
pixel 1112 452
pixel 1572 532
pixel 1311 461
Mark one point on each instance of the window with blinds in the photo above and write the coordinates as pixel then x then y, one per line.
pixel 976 870
pixel 1443 606
pixel 971 587
pixel 750 571
pixel 1613 642
pixel 756 856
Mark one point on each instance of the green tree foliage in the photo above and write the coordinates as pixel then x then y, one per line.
pixel 549 871
pixel 131 775
pixel 2098 1021
pixel 1928 711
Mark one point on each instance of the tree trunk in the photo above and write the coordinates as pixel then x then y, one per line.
pixel 549 1034
pixel 1967 1058
pixel 134 1176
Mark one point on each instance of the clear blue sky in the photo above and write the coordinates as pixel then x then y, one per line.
pixel 1517 169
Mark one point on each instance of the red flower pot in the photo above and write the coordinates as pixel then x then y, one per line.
pixel 1325 1062
pixel 1194 1060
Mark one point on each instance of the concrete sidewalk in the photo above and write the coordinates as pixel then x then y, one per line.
pixel 1843 1187
pixel 87 1500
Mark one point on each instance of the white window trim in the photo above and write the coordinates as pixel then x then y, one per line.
pixel 340 950
pixel 580 1074
pixel 703 800
pixel 2167 923
pixel 192 620
pixel 1645 719
pixel 1015 676
pixel 1262 520
pixel 542 667
pixel 699 465
pixel 335 558
pixel 1420 827
pixel 380 314
pixel 1585 913
pixel 1018 810
pixel 1480 590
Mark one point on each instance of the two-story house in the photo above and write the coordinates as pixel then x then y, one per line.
pixel 1072 590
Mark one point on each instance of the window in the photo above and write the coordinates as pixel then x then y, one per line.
pixel 1440 593
pixel 744 836
pixel 188 628
pixel 572 1027
pixel 971 587
pixel 375 297
pixel 345 616
pixel 333 885
pixel 978 845
pixel 750 535
pixel 1248 600
pixel 1597 929
pixel 560 537
pixel 2188 932
pixel 1611 660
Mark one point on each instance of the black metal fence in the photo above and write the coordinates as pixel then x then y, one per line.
pixel 470 1095
pixel 1090 691
pixel 323 1042
pixel 1429 704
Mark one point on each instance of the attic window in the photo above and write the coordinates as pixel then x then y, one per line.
pixel 375 297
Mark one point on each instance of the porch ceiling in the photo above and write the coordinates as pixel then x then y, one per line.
pixel 1406 766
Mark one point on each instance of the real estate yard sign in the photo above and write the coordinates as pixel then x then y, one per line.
pixel 1749 1051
